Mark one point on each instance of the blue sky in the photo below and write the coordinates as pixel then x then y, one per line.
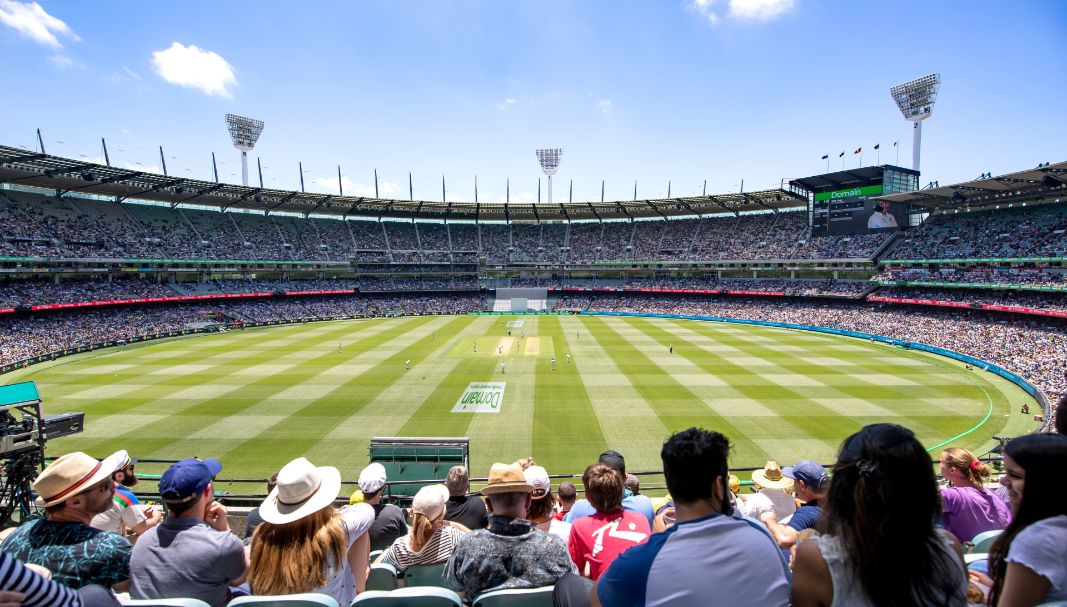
pixel 679 90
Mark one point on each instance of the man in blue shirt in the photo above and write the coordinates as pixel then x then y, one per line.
pixel 698 562
pixel 631 502
pixel 812 481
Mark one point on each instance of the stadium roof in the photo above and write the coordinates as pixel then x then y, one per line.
pixel 1049 181
pixel 65 175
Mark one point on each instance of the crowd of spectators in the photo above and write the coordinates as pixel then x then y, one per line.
pixel 34 292
pixel 1022 299
pixel 1034 277
pixel 1035 350
pixel 1035 231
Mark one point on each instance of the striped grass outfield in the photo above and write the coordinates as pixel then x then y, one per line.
pixel 261 397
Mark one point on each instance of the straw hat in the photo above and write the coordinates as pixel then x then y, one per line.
pixel 302 489
pixel 72 474
pixel 506 478
pixel 771 476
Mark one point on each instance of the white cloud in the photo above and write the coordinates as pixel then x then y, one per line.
pixel 742 10
pixel 118 77
pixel 131 73
pixel 604 105
pixel 145 168
pixel 509 102
pixel 32 21
pixel 64 61
pixel 195 68
pixel 759 10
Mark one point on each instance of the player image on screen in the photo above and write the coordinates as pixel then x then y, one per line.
pixel 881 218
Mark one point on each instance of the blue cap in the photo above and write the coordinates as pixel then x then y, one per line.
pixel 185 480
pixel 808 471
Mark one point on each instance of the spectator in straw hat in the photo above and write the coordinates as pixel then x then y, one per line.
pixel 772 483
pixel 467 510
pixel 812 481
pixel 303 543
pixel 72 490
pixel 510 553
pixel 389 521
pixel 431 539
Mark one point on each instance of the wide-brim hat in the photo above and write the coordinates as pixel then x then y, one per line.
pixel 72 474
pixel 507 478
pixel 302 489
pixel 771 476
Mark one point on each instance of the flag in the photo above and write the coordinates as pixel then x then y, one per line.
pixel 877 145
pixel 841 155
pixel 826 156
pixel 895 143
pixel 858 150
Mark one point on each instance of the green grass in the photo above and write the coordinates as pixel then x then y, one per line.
pixel 259 398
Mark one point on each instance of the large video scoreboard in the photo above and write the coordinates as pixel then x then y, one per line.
pixel 847 202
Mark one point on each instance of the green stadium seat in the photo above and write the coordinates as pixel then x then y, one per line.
pixel 516 597
pixel 382 576
pixel 408 597
pixel 425 575
pixel 418 471
pixel 308 599
pixel 166 603
pixel 984 541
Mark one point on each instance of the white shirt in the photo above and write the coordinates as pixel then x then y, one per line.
pixel 1039 548
pixel 881 220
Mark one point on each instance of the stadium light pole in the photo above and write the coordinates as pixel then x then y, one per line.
pixel 245 133
pixel 916 102
pixel 549 159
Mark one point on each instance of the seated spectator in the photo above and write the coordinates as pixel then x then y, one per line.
pixel 967 507
pixel 253 519
pixel 596 540
pixel 23 586
pixel 633 484
pixel 126 512
pixel 431 539
pixel 303 544
pixel 1026 561
pixel 542 503
pixel 880 545
pixel 771 483
pixel 72 490
pixel 567 495
pixel 389 524
pixel 510 553
pixel 708 552
pixel 192 554
pixel 634 503
pixel 811 484
pixel 1061 415
pixel 467 510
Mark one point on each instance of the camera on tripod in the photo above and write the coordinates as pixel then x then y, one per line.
pixel 22 440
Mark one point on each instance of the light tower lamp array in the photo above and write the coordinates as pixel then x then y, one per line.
pixel 916 102
pixel 245 133
pixel 549 159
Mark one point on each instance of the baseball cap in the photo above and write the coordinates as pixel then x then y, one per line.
pixel 184 481
pixel 430 501
pixel 537 477
pixel 808 471
pixel 372 478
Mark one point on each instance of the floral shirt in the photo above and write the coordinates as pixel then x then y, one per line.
pixel 77 554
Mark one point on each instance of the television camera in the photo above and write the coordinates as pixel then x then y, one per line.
pixel 24 430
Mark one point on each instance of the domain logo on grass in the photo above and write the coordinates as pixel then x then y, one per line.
pixel 481 397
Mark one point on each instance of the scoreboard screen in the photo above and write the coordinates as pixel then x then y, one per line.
pixel 854 211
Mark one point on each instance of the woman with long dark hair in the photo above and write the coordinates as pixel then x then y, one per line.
pixel 1027 560
pixel 879 546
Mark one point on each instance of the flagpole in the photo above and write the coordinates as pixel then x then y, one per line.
pixel 827 163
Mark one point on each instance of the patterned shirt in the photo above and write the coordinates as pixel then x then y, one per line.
pixel 437 550
pixel 76 554
pixel 15 577
pixel 511 553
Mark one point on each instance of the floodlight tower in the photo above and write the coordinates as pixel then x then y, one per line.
pixel 245 133
pixel 916 101
pixel 549 160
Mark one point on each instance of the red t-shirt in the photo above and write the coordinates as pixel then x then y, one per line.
pixel 597 539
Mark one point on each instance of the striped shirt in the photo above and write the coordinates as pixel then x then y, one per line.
pixel 437 550
pixel 16 577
